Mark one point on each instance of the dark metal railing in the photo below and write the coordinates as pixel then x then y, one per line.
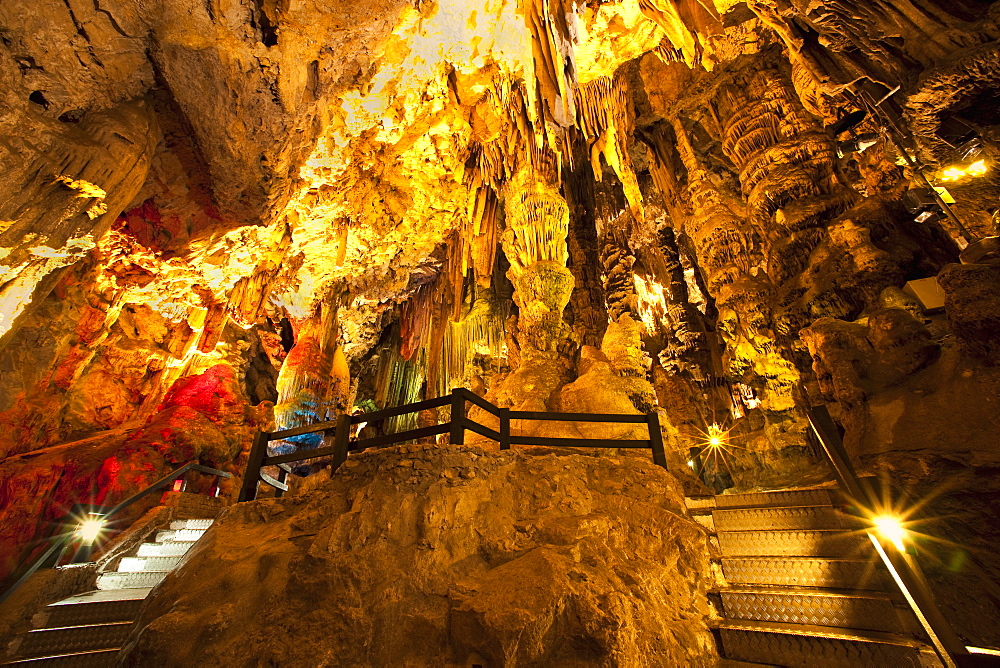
pixel 338 431
pixel 60 542
pixel 902 567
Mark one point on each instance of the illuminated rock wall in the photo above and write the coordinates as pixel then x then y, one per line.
pixel 448 556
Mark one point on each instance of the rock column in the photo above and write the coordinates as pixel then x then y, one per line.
pixel 535 245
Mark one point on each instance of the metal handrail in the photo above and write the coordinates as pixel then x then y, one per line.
pixel 456 427
pixel 902 567
pixel 62 540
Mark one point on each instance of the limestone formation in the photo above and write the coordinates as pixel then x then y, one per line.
pixel 446 556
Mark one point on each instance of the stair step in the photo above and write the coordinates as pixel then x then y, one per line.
pixel 114 580
pixel 100 658
pixel 805 543
pixel 809 645
pixel 67 639
pixel 696 503
pixel 804 572
pixel 97 612
pixel 99 596
pixel 179 535
pixel 849 609
pixel 163 549
pixel 140 564
pixel 706 521
pixel 784 519
pixel 200 525
pixel 781 498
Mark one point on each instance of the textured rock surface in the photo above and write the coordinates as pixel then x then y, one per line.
pixel 445 556
pixel 973 305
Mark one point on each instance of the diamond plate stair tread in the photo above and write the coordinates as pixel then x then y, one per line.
pixel 783 498
pixel 48 642
pixel 826 651
pixel 114 580
pixel 163 549
pixel 699 502
pixel 100 595
pixel 817 631
pixel 191 524
pixel 829 608
pixel 784 519
pixel 99 612
pixel 141 564
pixel 804 572
pixel 101 658
pixel 802 543
pixel 179 535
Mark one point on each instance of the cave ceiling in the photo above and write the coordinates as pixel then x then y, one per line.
pixel 305 147
pixel 178 172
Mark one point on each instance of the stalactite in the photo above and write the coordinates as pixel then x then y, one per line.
pixel 444 350
pixel 537 224
pixel 589 311
pixel 480 333
pixel 606 117
pixel 552 45
pixel 416 318
pixel 687 25
pixel 726 250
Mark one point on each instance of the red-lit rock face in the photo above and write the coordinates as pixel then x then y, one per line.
pixel 203 418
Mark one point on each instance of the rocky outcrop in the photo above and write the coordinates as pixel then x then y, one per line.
pixel 448 556
pixel 972 301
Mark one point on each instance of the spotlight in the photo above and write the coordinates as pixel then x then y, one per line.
pixel 716 437
pixel 922 203
pixel 891 529
pixel 977 168
pixel 90 528
pixel 858 144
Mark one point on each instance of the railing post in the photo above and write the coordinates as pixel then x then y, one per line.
pixel 341 440
pixel 656 439
pixel 282 477
pixel 457 417
pixel 504 428
pixel 251 476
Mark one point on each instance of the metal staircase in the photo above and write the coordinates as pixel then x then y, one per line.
pixel 89 629
pixel 800 584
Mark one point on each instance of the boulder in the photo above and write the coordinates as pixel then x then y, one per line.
pixel 444 556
